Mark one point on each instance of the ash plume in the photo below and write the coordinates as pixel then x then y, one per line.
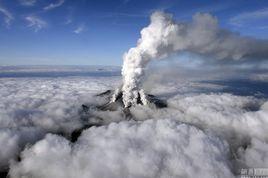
pixel 163 36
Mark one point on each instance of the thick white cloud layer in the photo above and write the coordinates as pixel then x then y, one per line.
pixel 153 148
pixel 256 155
pixel 31 107
pixel 10 147
pixel 12 140
pixel 223 113
pixel 220 132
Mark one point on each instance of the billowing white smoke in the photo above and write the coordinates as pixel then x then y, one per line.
pixel 164 36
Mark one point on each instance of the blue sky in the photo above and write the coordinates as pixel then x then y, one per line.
pixel 98 32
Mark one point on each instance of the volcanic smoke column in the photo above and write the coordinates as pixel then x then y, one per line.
pixel 136 59
pixel 164 36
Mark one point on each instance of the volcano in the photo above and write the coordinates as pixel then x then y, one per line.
pixel 151 99
pixel 89 112
pixel 118 104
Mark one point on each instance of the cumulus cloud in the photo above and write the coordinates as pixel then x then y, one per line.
pixel 35 22
pixel 256 155
pixel 199 133
pixel 27 2
pixel 237 119
pixel 13 141
pixel 224 113
pixel 30 108
pixel 81 28
pixel 10 149
pixel 202 36
pixel 8 17
pixel 154 148
pixel 54 5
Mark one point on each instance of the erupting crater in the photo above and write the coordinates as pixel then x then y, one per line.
pixel 89 113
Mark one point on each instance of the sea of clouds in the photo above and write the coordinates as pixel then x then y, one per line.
pixel 204 132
